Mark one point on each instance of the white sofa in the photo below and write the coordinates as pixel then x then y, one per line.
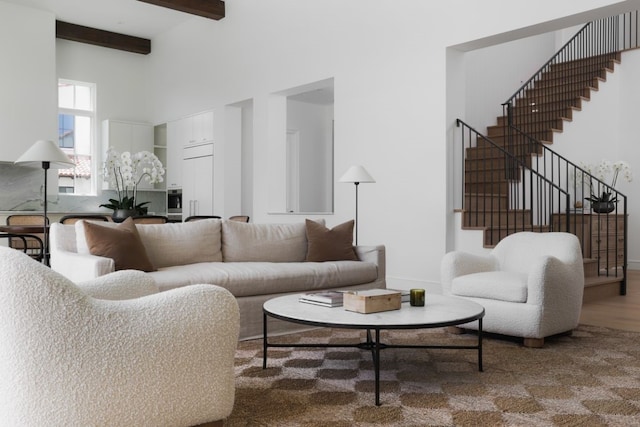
pixel 254 262
pixel 71 357
pixel 531 284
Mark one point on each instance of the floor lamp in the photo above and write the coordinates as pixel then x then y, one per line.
pixel 45 154
pixel 356 174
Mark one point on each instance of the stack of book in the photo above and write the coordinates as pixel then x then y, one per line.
pixel 323 298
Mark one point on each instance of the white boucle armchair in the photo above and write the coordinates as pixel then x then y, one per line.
pixel 531 284
pixel 68 359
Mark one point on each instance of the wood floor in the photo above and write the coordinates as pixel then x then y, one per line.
pixel 618 312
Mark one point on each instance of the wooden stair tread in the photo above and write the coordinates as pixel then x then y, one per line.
pixel 601 280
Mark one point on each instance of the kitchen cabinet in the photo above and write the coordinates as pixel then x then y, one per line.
pixel 197 180
pixel 174 156
pixel 195 129
pixel 128 136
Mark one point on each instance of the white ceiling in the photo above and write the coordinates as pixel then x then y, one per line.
pixel 131 17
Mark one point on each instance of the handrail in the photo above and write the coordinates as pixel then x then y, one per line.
pixel 621 32
pixel 531 115
pixel 540 106
pixel 584 183
pixel 524 209
pixel 546 64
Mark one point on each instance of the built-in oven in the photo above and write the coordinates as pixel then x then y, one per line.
pixel 174 204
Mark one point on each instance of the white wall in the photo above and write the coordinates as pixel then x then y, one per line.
pixel 122 91
pixel 393 111
pixel 314 123
pixel 391 106
pixel 495 73
pixel 28 90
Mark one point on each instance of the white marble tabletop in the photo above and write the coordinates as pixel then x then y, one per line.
pixel 438 311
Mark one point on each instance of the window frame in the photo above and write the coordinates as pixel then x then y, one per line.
pixel 93 117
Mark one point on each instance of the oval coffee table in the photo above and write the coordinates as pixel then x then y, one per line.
pixel 439 311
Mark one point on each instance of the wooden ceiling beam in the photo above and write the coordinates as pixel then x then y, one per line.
pixel 79 33
pixel 213 9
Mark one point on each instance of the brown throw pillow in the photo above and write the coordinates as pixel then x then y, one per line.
pixel 121 243
pixel 334 244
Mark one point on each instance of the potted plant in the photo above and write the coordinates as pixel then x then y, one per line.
pixel 124 172
pixel 605 202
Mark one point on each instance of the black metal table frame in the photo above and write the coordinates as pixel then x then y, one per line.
pixel 374 345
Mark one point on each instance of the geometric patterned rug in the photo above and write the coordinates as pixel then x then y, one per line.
pixel 589 378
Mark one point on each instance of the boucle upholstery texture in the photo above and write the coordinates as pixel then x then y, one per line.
pixel 255 262
pixel 119 285
pixel 531 284
pixel 67 359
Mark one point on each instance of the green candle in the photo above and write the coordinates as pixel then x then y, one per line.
pixel 416 297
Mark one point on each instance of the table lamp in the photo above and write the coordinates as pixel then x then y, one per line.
pixel 45 154
pixel 356 174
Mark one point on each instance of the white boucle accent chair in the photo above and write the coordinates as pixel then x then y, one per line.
pixel 531 284
pixel 69 359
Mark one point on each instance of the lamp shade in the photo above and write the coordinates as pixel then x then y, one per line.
pixel 45 151
pixel 356 174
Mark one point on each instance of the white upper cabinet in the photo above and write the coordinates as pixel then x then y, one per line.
pixel 196 129
pixel 189 131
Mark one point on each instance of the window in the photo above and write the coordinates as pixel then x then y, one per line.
pixel 76 130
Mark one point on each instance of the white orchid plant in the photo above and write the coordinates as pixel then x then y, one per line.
pixel 125 172
pixel 602 172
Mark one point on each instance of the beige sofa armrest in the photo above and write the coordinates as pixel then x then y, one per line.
pixel 80 267
pixel 120 285
pixel 374 254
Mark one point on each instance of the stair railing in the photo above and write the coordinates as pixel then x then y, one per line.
pixel 537 106
pixel 603 237
pixel 539 189
pixel 505 195
pixel 537 109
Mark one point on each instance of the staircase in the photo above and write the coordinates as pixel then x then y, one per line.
pixel 540 113
pixel 512 181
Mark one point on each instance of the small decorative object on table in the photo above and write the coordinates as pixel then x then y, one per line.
pixel 124 172
pixel 605 202
pixel 372 300
pixel 417 297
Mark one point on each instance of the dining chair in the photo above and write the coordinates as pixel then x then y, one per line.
pixel 240 218
pixel 34 242
pixel 199 217
pixel 72 219
pixel 150 219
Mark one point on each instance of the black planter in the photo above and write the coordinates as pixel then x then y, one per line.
pixel 603 207
pixel 120 215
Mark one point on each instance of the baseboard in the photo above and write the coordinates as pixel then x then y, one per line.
pixel 633 265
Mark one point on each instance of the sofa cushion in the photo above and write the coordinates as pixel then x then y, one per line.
pixel 243 242
pixel 121 243
pixel 172 243
pixel 264 278
pixel 324 244
pixel 496 285
pixel 183 242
